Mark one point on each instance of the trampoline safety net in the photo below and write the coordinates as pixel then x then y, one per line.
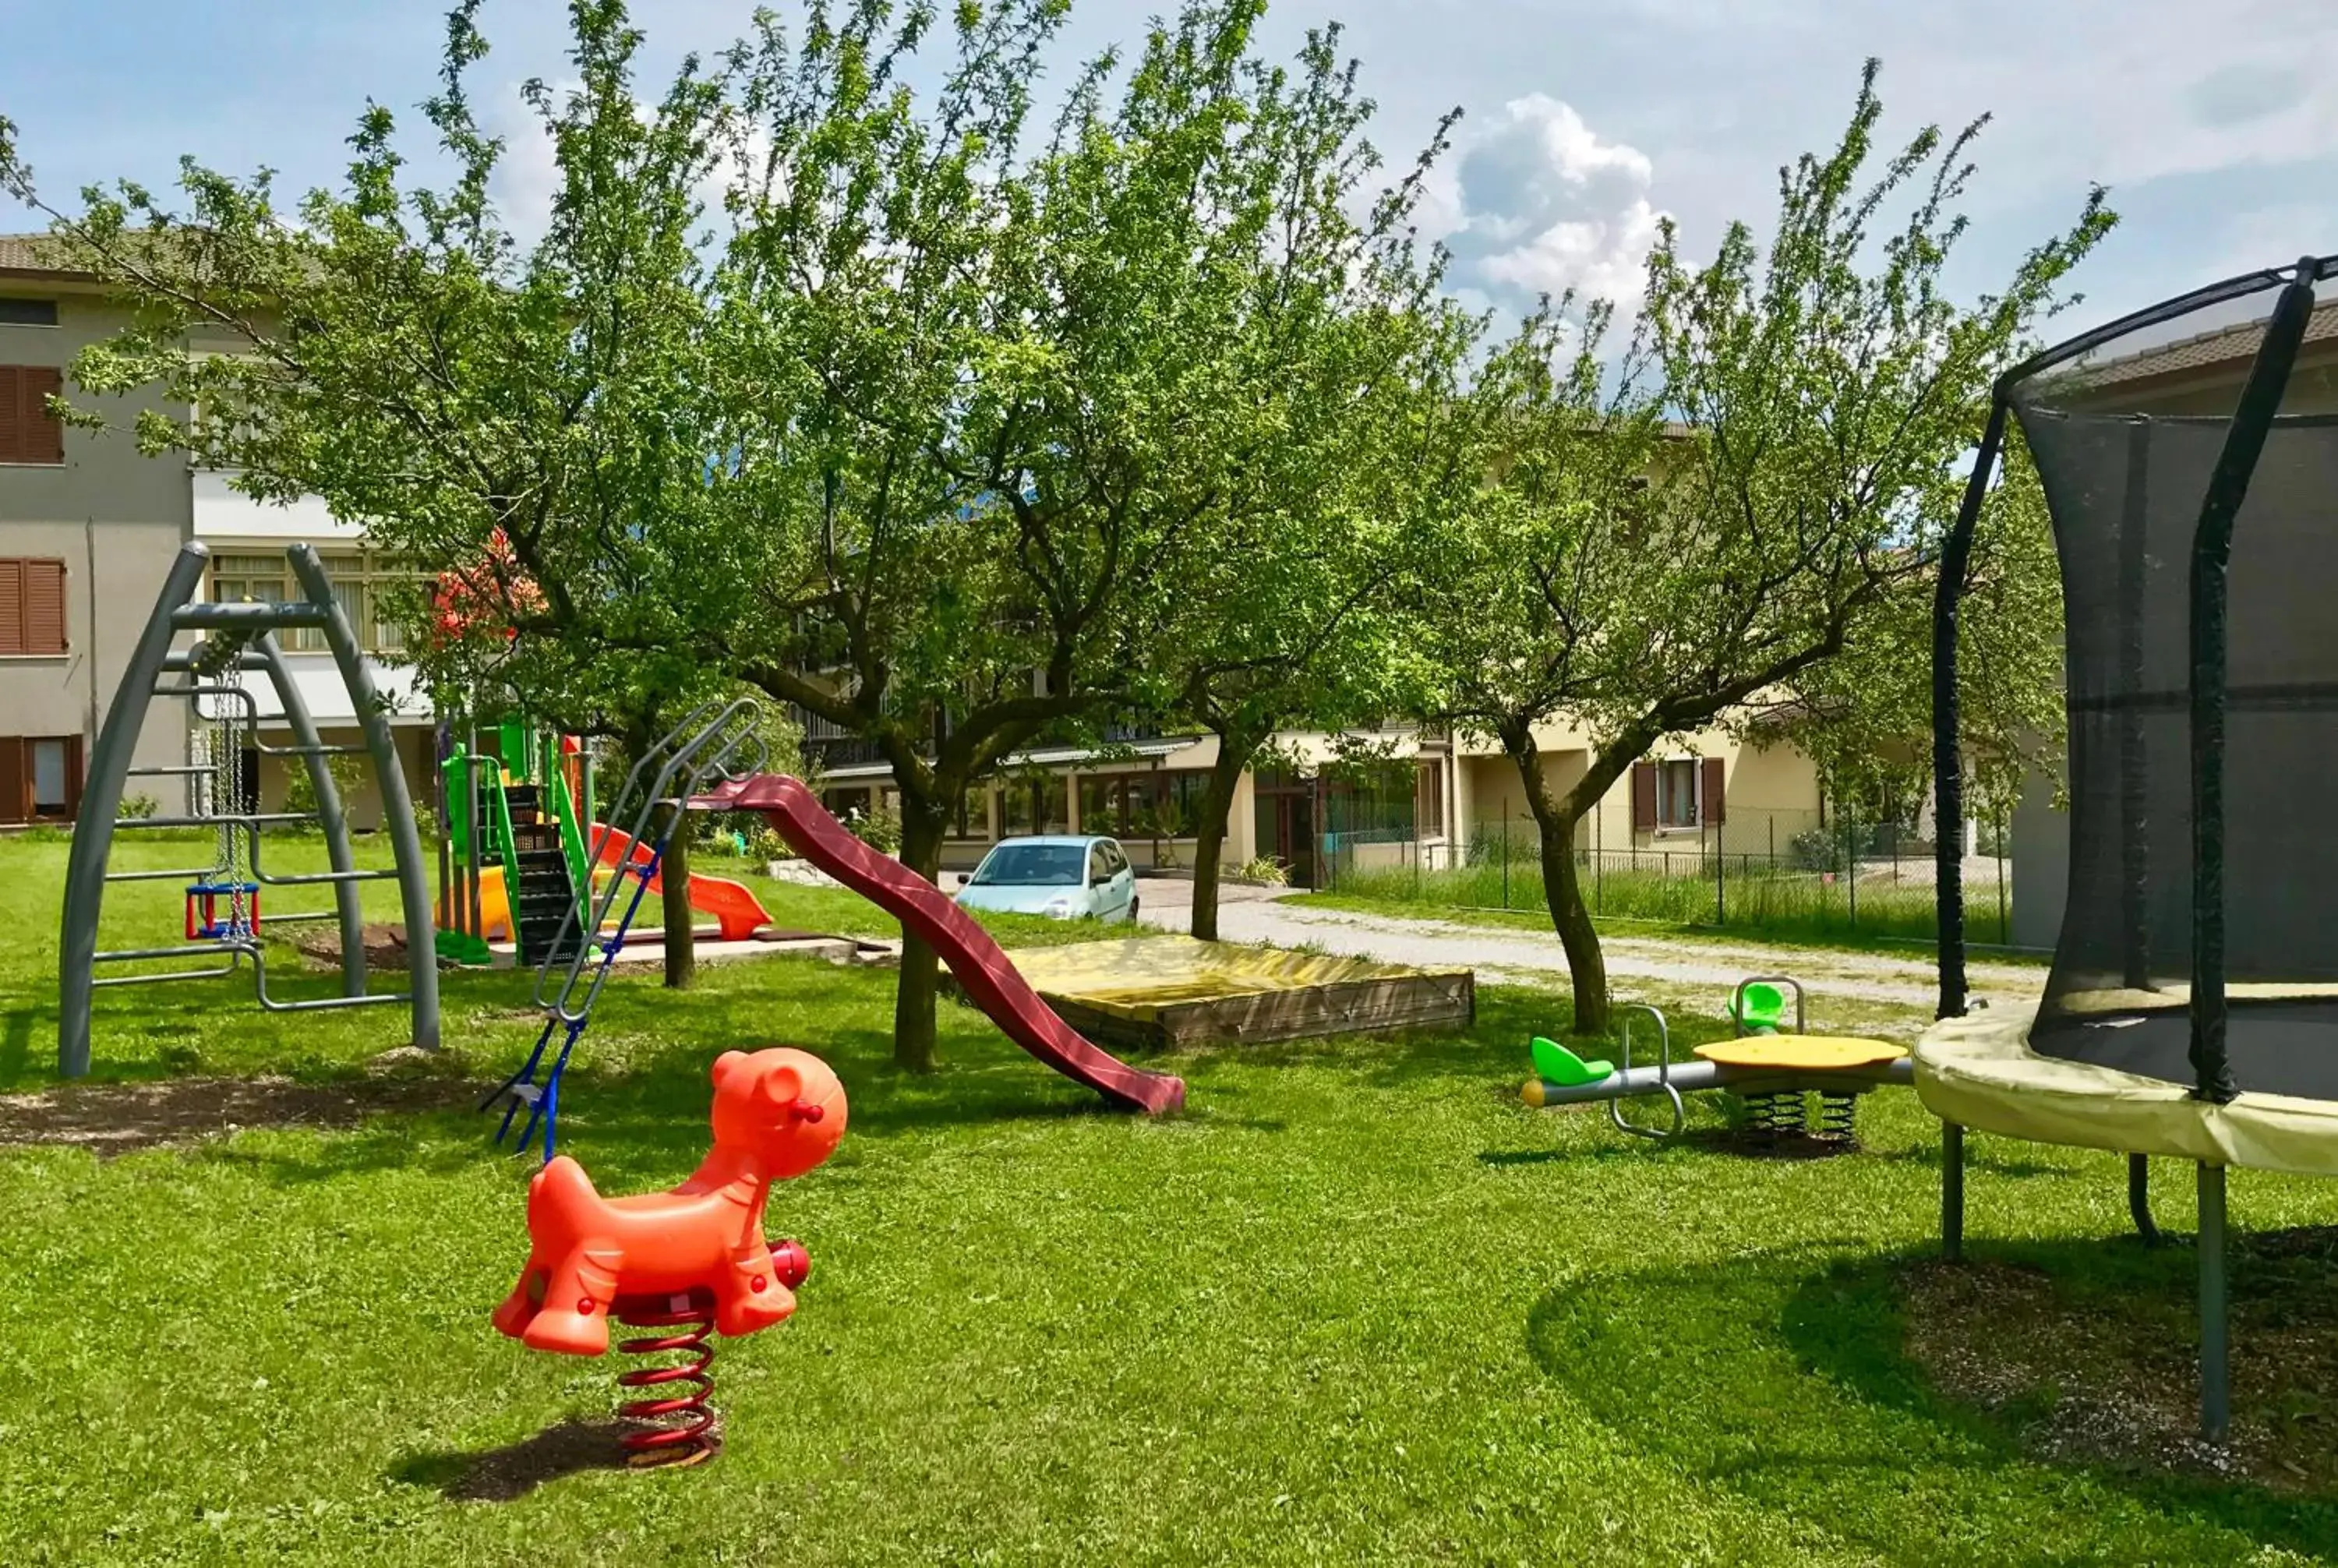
pixel 2125 490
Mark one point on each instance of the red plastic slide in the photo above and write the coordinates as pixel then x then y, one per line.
pixel 738 911
pixel 990 980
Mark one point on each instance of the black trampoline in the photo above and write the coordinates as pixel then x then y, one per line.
pixel 2125 490
pixel 2192 1009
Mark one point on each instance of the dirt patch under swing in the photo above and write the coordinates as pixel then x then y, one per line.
pixel 111 1119
pixel 384 946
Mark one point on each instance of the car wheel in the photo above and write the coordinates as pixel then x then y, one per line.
pixel 1134 906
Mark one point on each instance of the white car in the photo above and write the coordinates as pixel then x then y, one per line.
pixel 1066 876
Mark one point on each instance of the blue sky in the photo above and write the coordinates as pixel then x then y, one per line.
pixel 1584 118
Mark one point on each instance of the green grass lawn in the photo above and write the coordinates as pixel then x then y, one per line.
pixel 1356 1306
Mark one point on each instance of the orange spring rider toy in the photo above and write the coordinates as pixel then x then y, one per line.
pixel 693 1259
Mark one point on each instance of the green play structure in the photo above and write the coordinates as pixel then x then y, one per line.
pixel 514 859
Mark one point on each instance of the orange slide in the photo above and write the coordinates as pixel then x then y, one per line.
pixel 737 910
pixel 981 967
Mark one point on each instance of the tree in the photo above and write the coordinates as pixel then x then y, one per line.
pixel 1288 616
pixel 1866 715
pixel 1823 394
pixel 1034 406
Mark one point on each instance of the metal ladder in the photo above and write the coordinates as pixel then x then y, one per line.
pixel 715 743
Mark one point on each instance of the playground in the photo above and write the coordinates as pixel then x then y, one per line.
pixel 1356 1301
pixel 379 1184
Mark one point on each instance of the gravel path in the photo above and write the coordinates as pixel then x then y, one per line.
pixel 1503 954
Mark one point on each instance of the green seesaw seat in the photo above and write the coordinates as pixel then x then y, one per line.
pixel 1759 1008
pixel 1555 1064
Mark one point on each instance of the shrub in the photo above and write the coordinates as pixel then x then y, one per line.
pixel 880 831
pixel 1816 850
pixel 1263 868
pixel 348 776
pixel 1498 843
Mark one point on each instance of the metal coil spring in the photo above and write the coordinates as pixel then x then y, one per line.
pixel 1837 1118
pixel 1775 1113
pixel 674 1428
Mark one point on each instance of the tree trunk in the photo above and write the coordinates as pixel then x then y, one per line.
pixel 1562 885
pixel 914 992
pixel 681 935
pixel 1210 833
pixel 1562 882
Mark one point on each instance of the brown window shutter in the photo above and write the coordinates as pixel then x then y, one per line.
pixel 16 782
pixel 1644 797
pixel 73 777
pixel 44 432
pixel 44 606
pixel 12 600
pixel 1713 806
pixel 29 433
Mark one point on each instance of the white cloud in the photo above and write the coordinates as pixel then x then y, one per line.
pixel 528 176
pixel 1539 203
pixel 1603 258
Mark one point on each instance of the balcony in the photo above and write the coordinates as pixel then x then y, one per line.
pixel 828 745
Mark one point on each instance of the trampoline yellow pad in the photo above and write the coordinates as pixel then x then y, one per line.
pixel 1802 1053
pixel 1979 1071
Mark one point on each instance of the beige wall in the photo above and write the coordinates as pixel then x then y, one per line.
pixel 2041 849
pixel 1770 794
pixel 116 519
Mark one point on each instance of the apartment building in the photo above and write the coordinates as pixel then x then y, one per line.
pixel 1422 795
pixel 88 528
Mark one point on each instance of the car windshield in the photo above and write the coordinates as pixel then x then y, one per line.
pixel 1032 865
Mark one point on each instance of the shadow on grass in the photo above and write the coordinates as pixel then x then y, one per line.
pixel 1818 1395
pixel 504 1474
pixel 16 1044
pixel 645 1124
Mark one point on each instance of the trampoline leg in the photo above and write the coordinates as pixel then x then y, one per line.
pixel 2138 1198
pixel 2216 1367
pixel 1953 1191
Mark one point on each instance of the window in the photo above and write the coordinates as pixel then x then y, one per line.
pixel 48 777
pixel 1676 794
pixel 1114 862
pixel 29 433
pixel 1681 792
pixel 40 778
pixel 1107 801
pixel 1030 865
pixel 969 817
pixel 366 587
pixel 1099 866
pixel 32 606
pixel 1034 803
pixel 1155 805
pixel 28 312
pixel 1379 799
pixel 249 579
